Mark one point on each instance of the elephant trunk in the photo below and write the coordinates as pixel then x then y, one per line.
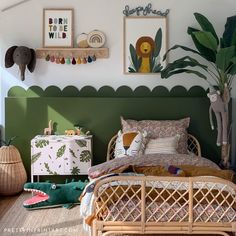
pixel 22 71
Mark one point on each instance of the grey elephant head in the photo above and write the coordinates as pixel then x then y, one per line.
pixel 23 57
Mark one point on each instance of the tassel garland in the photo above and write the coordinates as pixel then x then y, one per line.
pixel 70 60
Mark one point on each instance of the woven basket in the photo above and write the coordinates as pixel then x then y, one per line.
pixel 12 171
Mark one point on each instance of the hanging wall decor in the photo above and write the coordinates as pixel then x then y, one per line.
pixel 58 28
pixel 145 42
pixel 146 10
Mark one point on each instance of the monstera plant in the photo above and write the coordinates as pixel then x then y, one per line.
pixel 213 60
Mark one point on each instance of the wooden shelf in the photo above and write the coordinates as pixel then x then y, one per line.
pixel 72 52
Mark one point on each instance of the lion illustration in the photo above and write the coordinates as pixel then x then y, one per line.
pixel 144 48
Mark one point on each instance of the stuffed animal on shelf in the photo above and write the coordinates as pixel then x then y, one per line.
pixel 219 108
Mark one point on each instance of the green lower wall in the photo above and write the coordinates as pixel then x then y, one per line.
pixel 28 116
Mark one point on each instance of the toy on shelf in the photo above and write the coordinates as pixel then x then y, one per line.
pixel 78 131
pixel 70 132
pixel 81 130
pixel 48 194
pixel 49 130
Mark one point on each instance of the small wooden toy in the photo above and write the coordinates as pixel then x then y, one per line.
pixel 49 129
pixel 70 132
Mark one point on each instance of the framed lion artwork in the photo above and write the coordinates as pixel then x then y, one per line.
pixel 145 43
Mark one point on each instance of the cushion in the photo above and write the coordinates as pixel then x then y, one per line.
pixel 161 129
pixel 162 145
pixel 129 144
pixel 159 171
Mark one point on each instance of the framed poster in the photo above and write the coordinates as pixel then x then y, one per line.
pixel 58 28
pixel 145 43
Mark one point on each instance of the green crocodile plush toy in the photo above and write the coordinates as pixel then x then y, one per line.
pixel 47 194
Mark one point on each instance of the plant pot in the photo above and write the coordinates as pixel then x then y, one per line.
pixel 12 172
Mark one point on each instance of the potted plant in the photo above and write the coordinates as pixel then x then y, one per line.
pixel 12 172
pixel 218 66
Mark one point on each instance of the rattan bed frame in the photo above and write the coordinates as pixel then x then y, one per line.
pixel 186 190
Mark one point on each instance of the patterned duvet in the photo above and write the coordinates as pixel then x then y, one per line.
pixel 129 210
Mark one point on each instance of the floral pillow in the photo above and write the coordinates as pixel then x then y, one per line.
pixel 129 144
pixel 161 129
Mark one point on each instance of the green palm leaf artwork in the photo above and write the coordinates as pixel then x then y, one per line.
pixel 49 170
pixel 61 151
pixel 85 156
pixel 72 153
pixel 75 171
pixel 35 157
pixel 41 143
pixel 81 143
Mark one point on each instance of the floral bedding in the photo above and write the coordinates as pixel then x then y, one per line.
pixel 129 209
pixel 149 160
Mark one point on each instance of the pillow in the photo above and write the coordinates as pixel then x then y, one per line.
pixel 129 144
pixel 162 145
pixel 161 129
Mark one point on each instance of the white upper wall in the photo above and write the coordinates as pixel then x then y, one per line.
pixel 22 25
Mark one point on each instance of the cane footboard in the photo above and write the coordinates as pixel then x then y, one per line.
pixel 148 205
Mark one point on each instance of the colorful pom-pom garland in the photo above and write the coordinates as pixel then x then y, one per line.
pixel 70 60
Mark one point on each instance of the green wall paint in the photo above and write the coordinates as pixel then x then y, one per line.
pixel 28 113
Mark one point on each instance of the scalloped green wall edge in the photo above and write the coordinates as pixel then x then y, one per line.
pixel 106 91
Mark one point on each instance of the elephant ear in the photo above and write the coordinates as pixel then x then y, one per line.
pixel 31 65
pixel 9 62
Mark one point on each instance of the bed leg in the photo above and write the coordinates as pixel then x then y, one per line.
pixel 94 228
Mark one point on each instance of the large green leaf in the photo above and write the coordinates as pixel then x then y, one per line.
pixel 182 47
pixel 157 68
pixel 205 52
pixel 186 71
pixel 151 62
pixel 224 56
pixel 158 42
pixel 206 25
pixel 232 71
pixel 181 64
pixel 232 68
pixel 206 39
pixel 229 33
pixel 134 57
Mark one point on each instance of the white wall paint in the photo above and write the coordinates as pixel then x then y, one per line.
pixel 23 26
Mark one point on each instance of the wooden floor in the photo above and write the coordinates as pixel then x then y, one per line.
pixel 17 221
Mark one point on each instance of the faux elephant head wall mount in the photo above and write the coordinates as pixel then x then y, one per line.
pixel 22 56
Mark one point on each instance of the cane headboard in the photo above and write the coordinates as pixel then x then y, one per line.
pixel 28 113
